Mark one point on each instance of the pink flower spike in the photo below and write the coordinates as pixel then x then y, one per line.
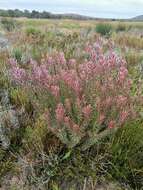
pixel 87 111
pixel 123 116
pixel 111 124
pixel 55 90
pixel 101 118
pixel 60 112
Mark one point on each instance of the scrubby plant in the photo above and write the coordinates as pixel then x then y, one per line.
pixel 121 27
pixel 104 29
pixel 34 34
pixel 133 58
pixel 64 103
pixel 85 101
pixel 117 157
pixel 32 31
pixel 130 41
pixel 125 155
pixel 17 54
pixel 9 24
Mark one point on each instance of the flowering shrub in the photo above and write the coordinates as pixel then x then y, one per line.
pixel 79 99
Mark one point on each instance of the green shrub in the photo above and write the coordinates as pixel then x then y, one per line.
pixel 17 54
pixel 121 27
pixel 34 33
pixel 116 158
pixel 104 29
pixel 35 37
pixel 133 58
pixel 125 153
pixel 9 24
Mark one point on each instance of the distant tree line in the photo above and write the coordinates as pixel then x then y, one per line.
pixel 37 14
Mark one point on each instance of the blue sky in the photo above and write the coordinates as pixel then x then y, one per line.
pixel 96 8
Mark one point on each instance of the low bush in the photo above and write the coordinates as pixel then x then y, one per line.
pixel 133 58
pixel 17 54
pixel 129 41
pixel 116 158
pixel 35 34
pixel 9 24
pixel 104 29
pixel 78 118
pixel 121 27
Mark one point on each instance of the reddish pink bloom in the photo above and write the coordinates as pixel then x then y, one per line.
pixel 112 124
pixel 60 112
pixel 71 79
pixel 50 61
pixel 122 73
pixel 123 116
pixel 55 90
pixel 87 111
pixel 129 83
pixel 121 100
pixel 101 118
pixel 61 58
pixel 72 63
pixel 18 74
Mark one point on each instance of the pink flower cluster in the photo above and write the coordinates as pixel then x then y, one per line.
pixel 96 90
pixel 87 111
pixel 19 74
pixel 123 73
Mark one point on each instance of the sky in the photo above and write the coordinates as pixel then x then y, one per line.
pixel 94 8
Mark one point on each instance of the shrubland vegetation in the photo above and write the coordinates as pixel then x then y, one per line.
pixel 71 98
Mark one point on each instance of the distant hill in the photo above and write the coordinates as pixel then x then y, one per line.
pixel 138 18
pixel 73 16
pixel 36 14
pixel 16 13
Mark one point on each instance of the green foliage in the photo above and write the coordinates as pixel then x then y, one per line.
pixel 125 153
pixel 9 24
pixel 104 29
pixel 17 54
pixel 35 137
pixel 19 97
pixel 118 157
pixel 35 36
pixel 5 167
pixel 33 32
pixel 4 81
pixel 133 58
